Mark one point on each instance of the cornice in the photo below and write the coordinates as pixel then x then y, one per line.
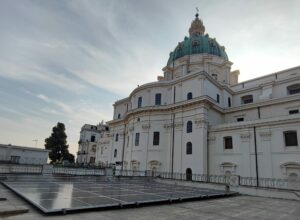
pixel 257 123
pixel 201 75
pixel 203 101
pixel 268 75
pixel 290 98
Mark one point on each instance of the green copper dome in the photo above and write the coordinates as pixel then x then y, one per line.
pixel 197 43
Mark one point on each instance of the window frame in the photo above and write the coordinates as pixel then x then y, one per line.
pixel 290 132
pixel 189 127
pixel 140 102
pixel 293 111
pixel 240 119
pixel 157 99
pixel 245 101
pixel 189 96
pixel 189 148
pixel 229 102
pixel 137 139
pixel 295 88
pixel 225 142
pixel 156 137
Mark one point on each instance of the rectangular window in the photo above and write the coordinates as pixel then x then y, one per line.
pixel 93 138
pixel 218 98
pixel 140 101
pixel 290 138
pixel 155 138
pixel 158 99
pixel 240 119
pixel 294 111
pixel 15 159
pixel 137 139
pixel 247 99
pixel 228 143
pixel 229 102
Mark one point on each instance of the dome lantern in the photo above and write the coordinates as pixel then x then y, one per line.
pixel 197 27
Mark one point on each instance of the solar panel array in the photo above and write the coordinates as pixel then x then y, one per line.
pixel 62 194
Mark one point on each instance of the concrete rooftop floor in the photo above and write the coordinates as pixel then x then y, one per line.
pixel 239 207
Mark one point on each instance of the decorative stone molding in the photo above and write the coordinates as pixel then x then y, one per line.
pixel 245 137
pixel 167 126
pixel 154 163
pixel 109 135
pixel 178 125
pixel 146 126
pixel 289 166
pixel 104 142
pixel 200 121
pixel 212 139
pixel 265 135
pixel 131 128
pixel 228 166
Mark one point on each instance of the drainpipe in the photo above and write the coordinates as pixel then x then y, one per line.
pixel 255 152
pixel 123 150
pixel 207 152
pixel 173 137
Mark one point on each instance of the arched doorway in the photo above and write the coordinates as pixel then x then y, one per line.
pixel 188 174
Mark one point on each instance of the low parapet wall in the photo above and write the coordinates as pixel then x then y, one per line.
pixel 246 190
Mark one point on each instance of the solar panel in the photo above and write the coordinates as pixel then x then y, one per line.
pixel 62 194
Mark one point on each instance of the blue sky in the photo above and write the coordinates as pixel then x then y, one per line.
pixel 69 61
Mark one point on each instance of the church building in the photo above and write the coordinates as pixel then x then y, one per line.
pixel 199 119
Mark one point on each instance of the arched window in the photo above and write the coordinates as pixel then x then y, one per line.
pixel 293 89
pixel 189 148
pixel 189 127
pixel 115 153
pixel 189 96
pixel 117 137
pixel 119 116
pixel 247 99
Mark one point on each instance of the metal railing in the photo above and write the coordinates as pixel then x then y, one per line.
pixel 235 180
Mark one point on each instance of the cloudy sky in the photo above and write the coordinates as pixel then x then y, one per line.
pixel 68 61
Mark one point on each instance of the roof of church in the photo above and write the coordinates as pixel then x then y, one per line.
pixel 197 43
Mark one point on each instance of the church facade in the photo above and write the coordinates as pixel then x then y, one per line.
pixel 197 118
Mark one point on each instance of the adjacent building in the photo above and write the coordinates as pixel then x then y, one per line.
pixel 22 155
pixel 198 118
pixel 89 135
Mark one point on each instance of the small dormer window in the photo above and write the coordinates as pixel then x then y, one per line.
pixel 247 99
pixel 293 89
